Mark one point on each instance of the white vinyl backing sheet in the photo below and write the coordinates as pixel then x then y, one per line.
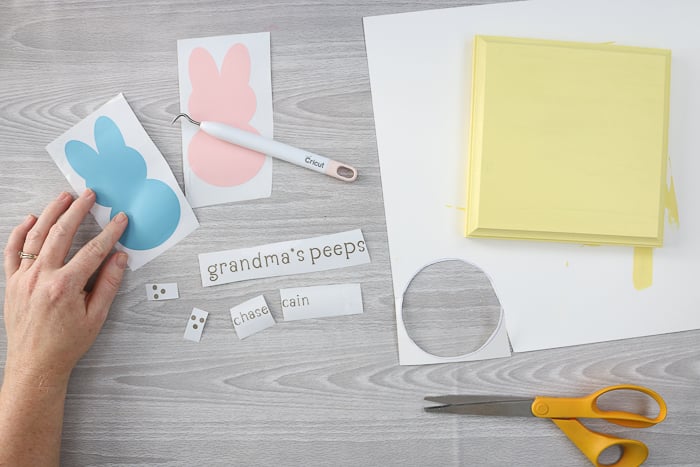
pixel 322 253
pixel 552 294
pixel 251 317
pixel 321 301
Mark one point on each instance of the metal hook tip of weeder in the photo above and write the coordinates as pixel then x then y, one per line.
pixel 195 122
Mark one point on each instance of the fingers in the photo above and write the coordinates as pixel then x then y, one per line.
pixel 15 244
pixel 106 286
pixel 36 236
pixel 60 237
pixel 89 257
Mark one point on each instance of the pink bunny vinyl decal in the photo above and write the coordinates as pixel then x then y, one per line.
pixel 224 97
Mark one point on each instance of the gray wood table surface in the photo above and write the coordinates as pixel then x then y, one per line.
pixel 314 392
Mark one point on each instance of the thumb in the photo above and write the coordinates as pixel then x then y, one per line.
pixel 106 286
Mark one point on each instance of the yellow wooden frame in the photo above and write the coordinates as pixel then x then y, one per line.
pixel 568 141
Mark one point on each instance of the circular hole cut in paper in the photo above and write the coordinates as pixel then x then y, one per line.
pixel 450 308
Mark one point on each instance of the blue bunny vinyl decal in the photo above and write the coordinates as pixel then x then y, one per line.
pixel 118 175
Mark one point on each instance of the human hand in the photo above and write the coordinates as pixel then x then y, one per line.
pixel 51 321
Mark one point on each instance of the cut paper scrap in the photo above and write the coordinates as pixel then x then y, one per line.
pixel 251 317
pixel 410 353
pixel 225 79
pixel 546 303
pixel 195 325
pixel 322 253
pixel 321 301
pixel 162 291
pixel 110 152
pixel 568 141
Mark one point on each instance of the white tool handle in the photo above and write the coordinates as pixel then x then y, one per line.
pixel 279 150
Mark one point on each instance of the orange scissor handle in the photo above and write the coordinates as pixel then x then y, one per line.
pixel 592 444
pixel 587 407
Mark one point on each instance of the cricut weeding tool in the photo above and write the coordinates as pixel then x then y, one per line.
pixel 273 148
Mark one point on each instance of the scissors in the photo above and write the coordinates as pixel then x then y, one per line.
pixel 565 412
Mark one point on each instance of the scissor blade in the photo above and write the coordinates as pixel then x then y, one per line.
pixel 458 399
pixel 511 408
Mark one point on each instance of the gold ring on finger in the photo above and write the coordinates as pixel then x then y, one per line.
pixel 25 255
